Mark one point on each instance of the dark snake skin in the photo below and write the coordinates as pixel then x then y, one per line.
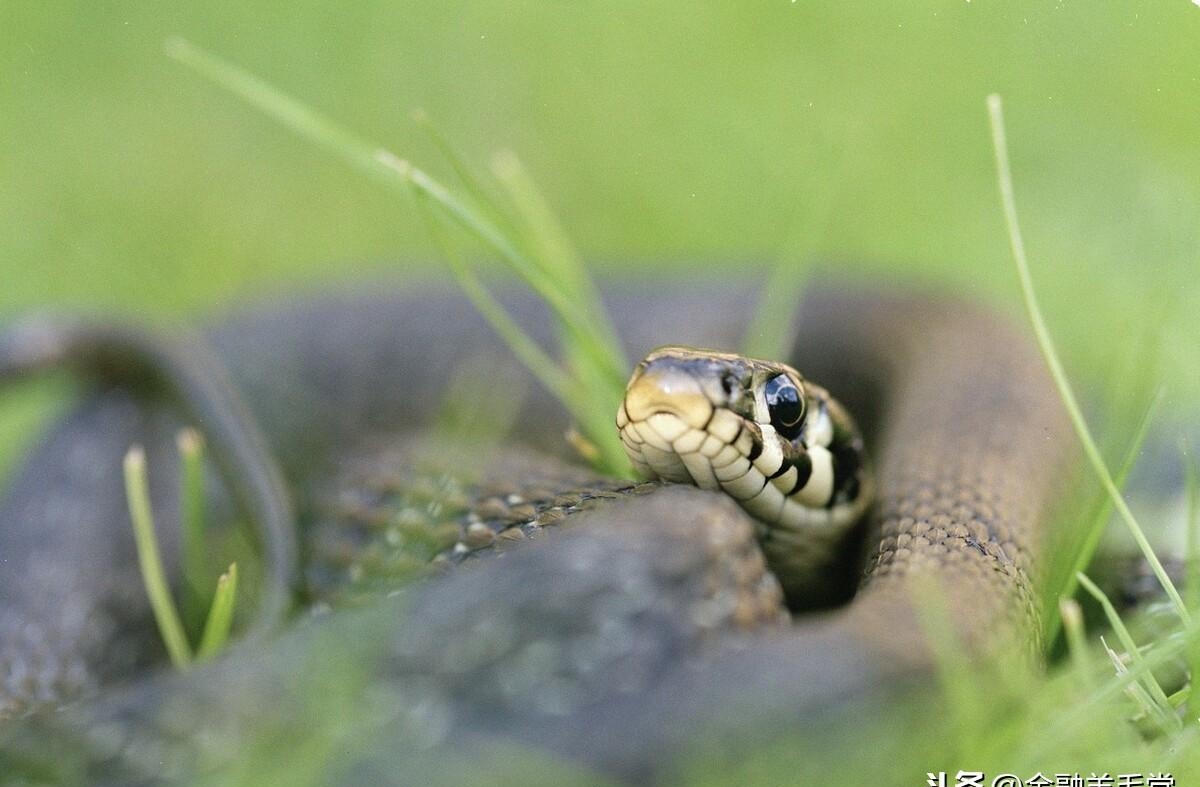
pixel 629 634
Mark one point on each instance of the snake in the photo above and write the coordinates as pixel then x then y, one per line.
pixel 611 623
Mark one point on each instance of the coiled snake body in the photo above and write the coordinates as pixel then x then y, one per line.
pixel 618 642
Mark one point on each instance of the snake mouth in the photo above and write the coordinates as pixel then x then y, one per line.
pixel 663 405
pixel 663 391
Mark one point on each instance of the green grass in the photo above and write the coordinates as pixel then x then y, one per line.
pixel 1145 689
pixel 591 383
pixel 1192 580
pixel 673 141
pixel 1082 540
pixel 218 621
pixel 189 444
pixel 170 626
pixel 1090 448
pixel 1150 696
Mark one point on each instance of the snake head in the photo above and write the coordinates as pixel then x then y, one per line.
pixel 753 429
pixel 689 412
pixel 676 385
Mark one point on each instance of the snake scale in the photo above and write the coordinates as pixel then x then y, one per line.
pixel 625 621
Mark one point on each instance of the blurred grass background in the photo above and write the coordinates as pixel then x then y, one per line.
pixel 671 137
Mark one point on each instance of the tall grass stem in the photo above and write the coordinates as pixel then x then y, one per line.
pixel 1004 179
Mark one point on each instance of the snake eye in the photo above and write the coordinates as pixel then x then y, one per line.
pixel 785 404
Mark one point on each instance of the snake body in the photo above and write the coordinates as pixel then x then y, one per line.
pixel 620 641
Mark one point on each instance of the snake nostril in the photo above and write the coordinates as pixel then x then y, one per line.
pixel 728 384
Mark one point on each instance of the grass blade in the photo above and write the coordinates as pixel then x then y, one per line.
pixel 958 677
pixel 1192 573
pixel 220 615
pixel 523 346
pixel 476 191
pixel 385 166
pixel 1072 623
pixel 551 244
pixel 561 302
pixel 774 319
pixel 153 576
pixel 1065 728
pixel 286 110
pixel 1148 708
pixel 557 256
pixel 596 423
pixel 1004 178
pixel 551 247
pixel 1192 542
pixel 1097 517
pixel 1160 705
pixel 588 335
pixel 190 445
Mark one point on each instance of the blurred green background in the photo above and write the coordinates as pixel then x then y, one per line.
pixel 673 138
pixel 669 136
